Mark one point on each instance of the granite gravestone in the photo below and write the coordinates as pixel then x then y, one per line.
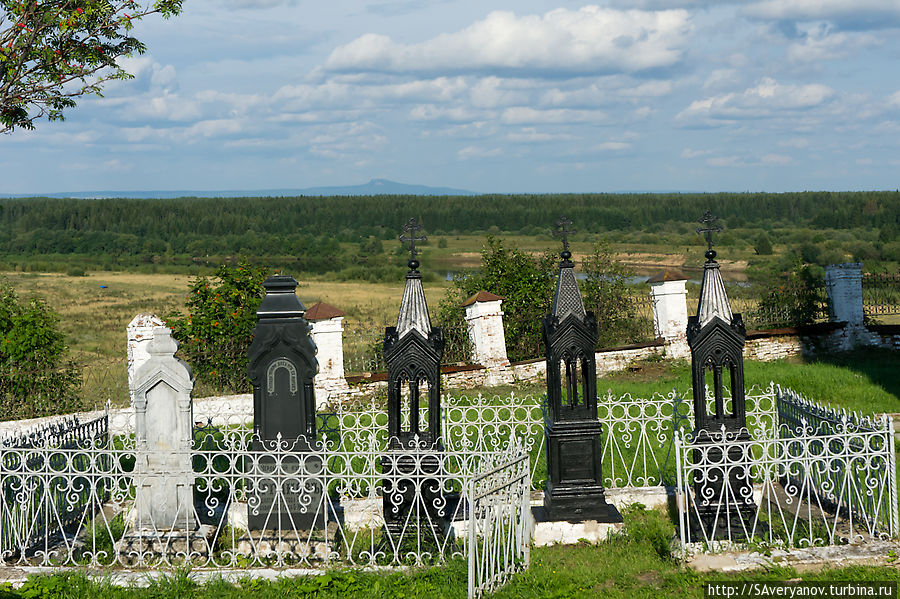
pixel 724 499
pixel 413 498
pixel 163 474
pixel 574 489
pixel 284 493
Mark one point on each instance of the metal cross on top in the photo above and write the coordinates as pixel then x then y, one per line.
pixel 411 228
pixel 563 230
pixel 709 220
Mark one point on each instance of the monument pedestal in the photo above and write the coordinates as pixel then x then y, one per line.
pixel 574 491
pixel 724 506
pixel 152 546
pixel 413 502
pixel 286 493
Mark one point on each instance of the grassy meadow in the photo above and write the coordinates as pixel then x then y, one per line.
pixel 95 309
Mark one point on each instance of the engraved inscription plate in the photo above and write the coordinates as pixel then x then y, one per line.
pixel 576 460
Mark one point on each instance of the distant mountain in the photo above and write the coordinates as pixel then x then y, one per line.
pixel 373 187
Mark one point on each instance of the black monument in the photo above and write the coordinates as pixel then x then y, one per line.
pixel 574 488
pixel 281 366
pixel 716 337
pixel 413 499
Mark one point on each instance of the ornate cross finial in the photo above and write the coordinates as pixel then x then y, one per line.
pixel 709 220
pixel 563 230
pixel 411 228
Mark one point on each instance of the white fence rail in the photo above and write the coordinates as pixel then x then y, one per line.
pixel 818 482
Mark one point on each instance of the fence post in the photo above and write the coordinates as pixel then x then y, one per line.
pixel 472 550
pixel 843 282
pixel 670 315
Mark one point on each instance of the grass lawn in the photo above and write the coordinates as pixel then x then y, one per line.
pixel 864 380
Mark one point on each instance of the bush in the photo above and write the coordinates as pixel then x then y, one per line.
pixel 792 298
pixel 36 377
pixel 526 283
pixel 605 292
pixel 216 333
pixel 763 245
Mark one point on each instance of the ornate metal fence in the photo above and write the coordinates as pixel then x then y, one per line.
pixel 38 474
pixel 881 295
pixel 499 523
pixel 331 505
pixel 827 478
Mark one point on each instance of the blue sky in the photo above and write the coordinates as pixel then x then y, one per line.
pixel 509 96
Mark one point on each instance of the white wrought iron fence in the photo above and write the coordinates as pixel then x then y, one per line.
pixel 349 499
pixel 499 525
pixel 811 485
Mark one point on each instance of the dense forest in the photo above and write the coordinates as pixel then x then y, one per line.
pixel 308 231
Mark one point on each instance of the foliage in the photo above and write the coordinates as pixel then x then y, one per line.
pixel 605 291
pixel 309 234
pixel 526 284
pixel 793 297
pixel 36 376
pixel 216 333
pixel 52 51
pixel 763 245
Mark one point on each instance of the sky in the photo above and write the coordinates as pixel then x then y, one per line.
pixel 499 96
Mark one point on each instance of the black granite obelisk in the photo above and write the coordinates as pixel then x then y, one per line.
pixel 716 336
pixel 574 489
pixel 413 498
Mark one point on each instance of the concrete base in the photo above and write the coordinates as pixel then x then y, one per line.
pixel 560 532
pixel 142 546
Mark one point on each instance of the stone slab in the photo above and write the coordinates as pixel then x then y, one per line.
pixel 571 533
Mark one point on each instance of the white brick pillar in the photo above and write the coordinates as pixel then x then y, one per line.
pixel 843 282
pixel 484 319
pixel 670 311
pixel 140 334
pixel 328 335
pixel 844 285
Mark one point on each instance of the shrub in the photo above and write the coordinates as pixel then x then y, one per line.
pixel 605 291
pixel 792 298
pixel 763 245
pixel 36 377
pixel 526 283
pixel 216 333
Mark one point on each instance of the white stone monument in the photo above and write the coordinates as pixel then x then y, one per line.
pixel 327 333
pixel 843 282
pixel 163 473
pixel 484 320
pixel 140 333
pixel 667 288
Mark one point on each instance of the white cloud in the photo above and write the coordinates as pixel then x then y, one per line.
pixel 590 39
pixel 532 135
pixel 776 159
pixel 478 152
pixel 431 112
pixel 517 115
pixel 689 153
pixel 894 99
pixel 819 43
pixel 857 12
pixel 767 99
pixel 611 146
pixel 799 143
